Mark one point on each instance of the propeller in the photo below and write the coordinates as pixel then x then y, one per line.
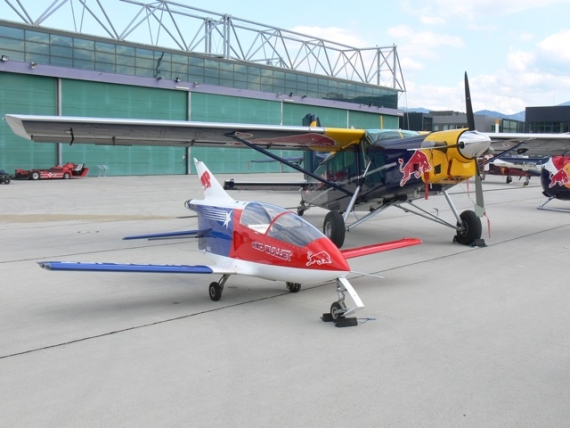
pixel 479 200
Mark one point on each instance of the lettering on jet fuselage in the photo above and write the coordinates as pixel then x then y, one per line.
pixel 279 253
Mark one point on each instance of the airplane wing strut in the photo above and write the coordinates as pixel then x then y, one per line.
pixel 290 164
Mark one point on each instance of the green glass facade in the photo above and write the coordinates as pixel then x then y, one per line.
pixel 115 57
pixel 79 96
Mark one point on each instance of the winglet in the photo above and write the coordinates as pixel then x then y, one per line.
pixel 212 188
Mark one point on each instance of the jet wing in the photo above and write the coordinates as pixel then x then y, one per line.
pixel 379 248
pixel 532 144
pixel 131 132
pixel 132 267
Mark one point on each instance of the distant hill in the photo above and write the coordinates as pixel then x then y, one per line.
pixel 520 116
pixel 517 116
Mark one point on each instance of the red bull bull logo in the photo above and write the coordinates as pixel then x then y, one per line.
pixel 416 166
pixel 320 258
pixel 559 178
pixel 206 180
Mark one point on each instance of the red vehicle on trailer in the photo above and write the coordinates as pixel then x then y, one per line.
pixel 69 170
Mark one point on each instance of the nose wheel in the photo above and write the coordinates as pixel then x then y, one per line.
pixel 339 311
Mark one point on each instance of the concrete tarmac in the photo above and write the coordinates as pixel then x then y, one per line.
pixel 452 336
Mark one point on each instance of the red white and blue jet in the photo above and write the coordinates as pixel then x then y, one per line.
pixel 255 239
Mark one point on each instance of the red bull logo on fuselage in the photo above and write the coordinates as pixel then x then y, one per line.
pixel 560 178
pixel 320 258
pixel 416 166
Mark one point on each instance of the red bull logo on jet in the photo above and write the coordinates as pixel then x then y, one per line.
pixel 416 166
pixel 205 179
pixel 320 258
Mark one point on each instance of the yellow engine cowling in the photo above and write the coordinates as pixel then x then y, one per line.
pixel 450 162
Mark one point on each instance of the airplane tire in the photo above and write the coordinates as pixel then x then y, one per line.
pixel 66 176
pixel 215 291
pixel 35 175
pixel 472 228
pixel 334 228
pixel 293 287
pixel 336 311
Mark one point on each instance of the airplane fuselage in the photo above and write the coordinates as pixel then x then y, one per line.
pixel 266 241
pixel 394 169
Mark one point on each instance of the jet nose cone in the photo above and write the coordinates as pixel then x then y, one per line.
pixel 473 144
pixel 323 254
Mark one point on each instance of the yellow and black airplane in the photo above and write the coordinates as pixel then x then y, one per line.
pixel 368 170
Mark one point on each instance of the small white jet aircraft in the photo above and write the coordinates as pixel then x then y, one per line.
pixel 255 239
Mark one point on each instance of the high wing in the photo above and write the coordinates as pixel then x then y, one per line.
pixel 131 132
pixel 530 144
pixel 133 267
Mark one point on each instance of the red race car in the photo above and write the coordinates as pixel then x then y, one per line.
pixel 69 170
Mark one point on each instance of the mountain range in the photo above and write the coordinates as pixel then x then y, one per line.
pixel 520 116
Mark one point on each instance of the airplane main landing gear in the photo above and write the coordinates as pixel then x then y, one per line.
pixel 469 230
pixel 215 289
pixel 293 287
pixel 334 228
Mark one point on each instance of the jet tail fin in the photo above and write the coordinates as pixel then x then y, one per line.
pixel 212 188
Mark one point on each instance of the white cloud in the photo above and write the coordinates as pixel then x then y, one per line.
pixel 421 44
pixel 520 61
pixel 555 49
pixel 408 63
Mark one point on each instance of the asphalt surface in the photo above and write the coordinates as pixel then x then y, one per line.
pixel 451 336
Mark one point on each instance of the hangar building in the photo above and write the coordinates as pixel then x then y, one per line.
pixel 162 60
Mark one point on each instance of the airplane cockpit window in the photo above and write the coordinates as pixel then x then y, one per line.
pixel 293 230
pixel 258 216
pixel 339 167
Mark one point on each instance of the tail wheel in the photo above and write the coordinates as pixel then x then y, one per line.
pixel 334 228
pixel 469 229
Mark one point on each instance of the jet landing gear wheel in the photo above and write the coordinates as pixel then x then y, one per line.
pixel 293 287
pixel 215 291
pixel 469 230
pixel 337 311
pixel 334 228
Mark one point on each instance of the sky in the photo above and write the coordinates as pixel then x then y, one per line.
pixel 516 52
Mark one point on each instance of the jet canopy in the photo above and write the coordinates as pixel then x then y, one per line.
pixel 279 223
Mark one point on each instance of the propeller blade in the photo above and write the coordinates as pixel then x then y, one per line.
pixel 469 106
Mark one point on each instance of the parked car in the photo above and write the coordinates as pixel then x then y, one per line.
pixel 69 170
